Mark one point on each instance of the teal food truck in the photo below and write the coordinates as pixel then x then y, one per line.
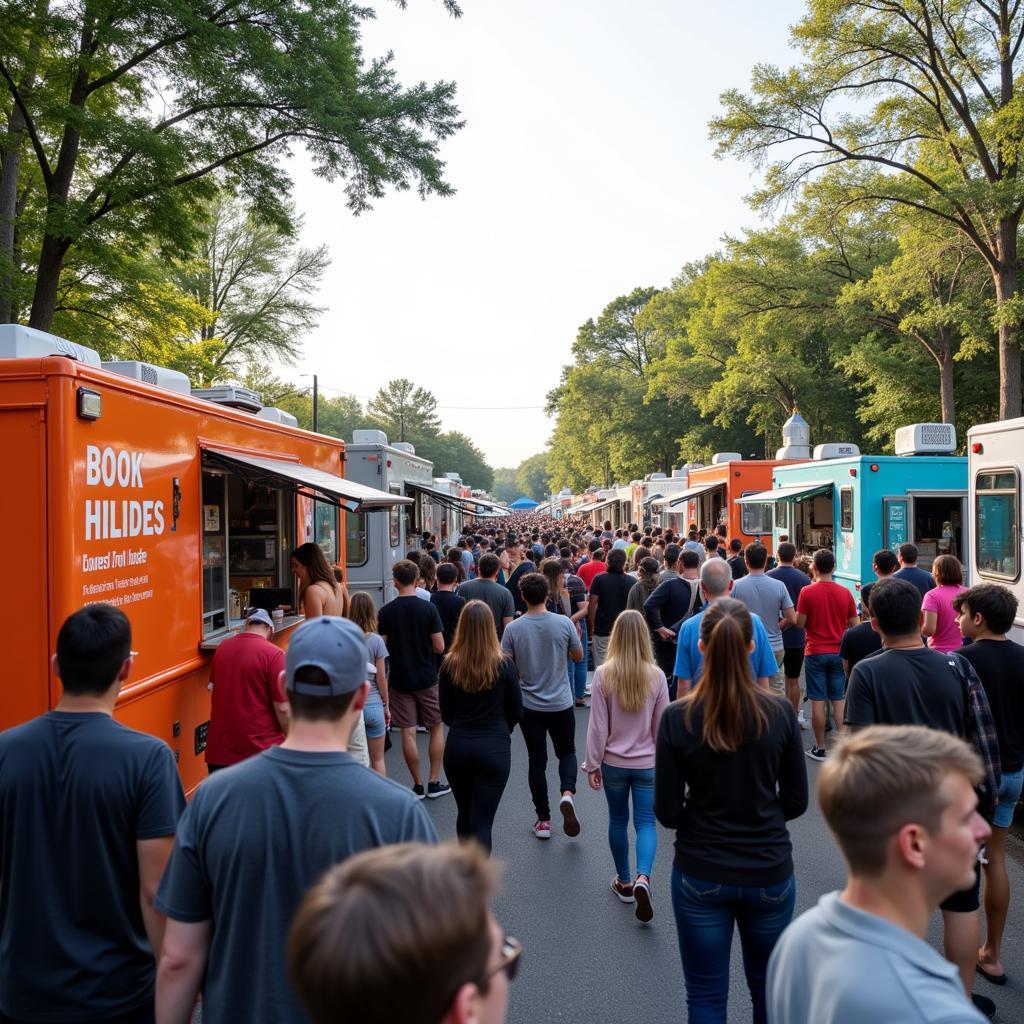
pixel 856 504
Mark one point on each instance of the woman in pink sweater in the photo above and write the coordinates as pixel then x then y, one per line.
pixel 627 700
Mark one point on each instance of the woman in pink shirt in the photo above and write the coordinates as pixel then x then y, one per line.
pixel 627 700
pixel 940 620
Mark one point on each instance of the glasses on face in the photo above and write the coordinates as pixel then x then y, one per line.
pixel 511 951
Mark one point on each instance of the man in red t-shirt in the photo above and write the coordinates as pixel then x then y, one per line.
pixel 825 609
pixel 588 570
pixel 249 709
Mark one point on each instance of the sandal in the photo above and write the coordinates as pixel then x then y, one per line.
pixel 995 979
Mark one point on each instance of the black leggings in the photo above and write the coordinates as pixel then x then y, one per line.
pixel 561 726
pixel 477 768
pixel 665 656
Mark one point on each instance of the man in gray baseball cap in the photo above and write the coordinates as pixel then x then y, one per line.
pixel 257 835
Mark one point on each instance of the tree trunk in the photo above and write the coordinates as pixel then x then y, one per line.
pixel 11 165
pixel 1009 333
pixel 44 301
pixel 944 357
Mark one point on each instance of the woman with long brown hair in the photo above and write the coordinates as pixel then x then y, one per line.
pixel 320 593
pixel 481 701
pixel 729 774
pixel 628 699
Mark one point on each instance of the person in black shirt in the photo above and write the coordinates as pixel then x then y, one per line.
pixel 481 701
pixel 986 614
pixel 413 632
pixel 736 562
pixel 911 684
pixel 729 773
pixel 609 593
pixel 447 602
pixel 909 571
pixel 88 812
pixel 674 601
pixel 861 641
pixel 520 567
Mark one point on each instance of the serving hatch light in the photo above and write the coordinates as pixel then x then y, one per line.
pixel 90 404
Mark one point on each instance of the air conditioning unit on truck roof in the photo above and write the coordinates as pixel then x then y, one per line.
pixel 17 342
pixel 158 376
pixel 274 415
pixel 231 395
pixel 926 439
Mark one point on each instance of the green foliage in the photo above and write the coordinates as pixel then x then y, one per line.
pixel 453 452
pixel 404 411
pixel 504 488
pixel 532 477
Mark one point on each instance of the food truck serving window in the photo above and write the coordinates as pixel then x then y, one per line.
pixel 846 508
pixel 355 539
pixel 997 523
pixel 756 518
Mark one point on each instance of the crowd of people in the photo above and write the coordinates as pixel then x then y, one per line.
pixel 301 883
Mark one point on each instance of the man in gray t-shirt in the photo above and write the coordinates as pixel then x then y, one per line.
pixel 257 835
pixel 486 588
pixel 538 642
pixel 768 598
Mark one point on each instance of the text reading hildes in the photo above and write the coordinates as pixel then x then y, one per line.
pixel 112 518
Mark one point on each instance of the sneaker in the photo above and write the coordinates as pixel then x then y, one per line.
pixel 802 720
pixel 570 823
pixel 421 728
pixel 418 791
pixel 984 1004
pixel 642 895
pixel 580 702
pixel 623 890
pixel 542 830
pixel 436 789
pixel 816 753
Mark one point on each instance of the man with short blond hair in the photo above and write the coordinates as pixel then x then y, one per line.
pixel 413 914
pixel 901 805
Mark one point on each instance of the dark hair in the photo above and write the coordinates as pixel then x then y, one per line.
pixel 672 552
pixel 406 572
pixel 736 545
pixel 996 604
pixel 885 560
pixel 908 552
pixel 711 542
pixel 447 573
pixel 948 571
pixel 92 645
pixel 616 560
pixel 690 559
pixel 534 588
pixel 756 556
pixel 649 566
pixel 865 596
pixel 317 709
pixel 594 545
pixel 489 565
pixel 721 530
pixel 311 556
pixel 896 607
pixel 787 551
pixel 824 560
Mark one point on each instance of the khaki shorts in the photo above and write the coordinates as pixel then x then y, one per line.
pixel 777 683
pixel 409 707
pixel 357 744
pixel 599 645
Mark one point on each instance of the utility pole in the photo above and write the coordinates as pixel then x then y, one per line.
pixel 316 406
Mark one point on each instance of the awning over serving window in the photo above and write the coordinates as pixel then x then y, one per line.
pixel 677 499
pixel 304 480
pixel 451 501
pixel 795 493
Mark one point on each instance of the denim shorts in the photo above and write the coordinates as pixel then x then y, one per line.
pixel 1009 793
pixel 373 716
pixel 824 677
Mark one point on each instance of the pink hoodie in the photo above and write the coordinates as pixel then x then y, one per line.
pixel 624 739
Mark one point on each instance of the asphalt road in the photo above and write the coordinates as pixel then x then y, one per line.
pixel 588 961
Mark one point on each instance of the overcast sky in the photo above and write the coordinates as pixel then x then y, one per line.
pixel 583 171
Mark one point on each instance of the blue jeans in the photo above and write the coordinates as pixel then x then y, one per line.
pixel 617 784
pixel 578 669
pixel 705 913
pixel 824 676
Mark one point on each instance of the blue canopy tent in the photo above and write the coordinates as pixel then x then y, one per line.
pixel 524 504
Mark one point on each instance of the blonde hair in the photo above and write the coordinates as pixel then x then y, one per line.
pixel 627 669
pixel 879 779
pixel 362 611
pixel 475 656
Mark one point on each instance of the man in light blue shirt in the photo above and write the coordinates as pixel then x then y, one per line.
pixel 860 954
pixel 716 583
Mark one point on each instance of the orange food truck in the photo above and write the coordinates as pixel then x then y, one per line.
pixel 124 487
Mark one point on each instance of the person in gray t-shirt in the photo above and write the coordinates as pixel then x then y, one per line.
pixel 538 642
pixel 769 599
pixel 860 954
pixel 486 588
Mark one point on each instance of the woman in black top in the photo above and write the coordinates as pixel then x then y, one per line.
pixel 480 698
pixel 729 773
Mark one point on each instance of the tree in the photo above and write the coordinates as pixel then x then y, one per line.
pixel 916 100
pixel 255 285
pixel 405 412
pixel 503 488
pixel 453 452
pixel 532 477
pixel 133 111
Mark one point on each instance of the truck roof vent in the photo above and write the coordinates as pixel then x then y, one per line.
pixel 158 376
pixel 836 450
pixel 405 446
pixel 275 415
pixel 369 437
pixel 453 476
pixel 719 457
pixel 658 476
pixel 926 439
pixel 17 342
pixel 231 395
pixel 680 473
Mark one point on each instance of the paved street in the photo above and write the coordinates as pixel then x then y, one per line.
pixel 587 960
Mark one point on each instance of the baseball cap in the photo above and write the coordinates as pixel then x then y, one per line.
pixel 261 615
pixel 330 643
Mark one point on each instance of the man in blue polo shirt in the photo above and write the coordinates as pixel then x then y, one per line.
pixel 716 583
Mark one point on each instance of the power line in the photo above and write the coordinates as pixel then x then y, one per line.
pixel 459 408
